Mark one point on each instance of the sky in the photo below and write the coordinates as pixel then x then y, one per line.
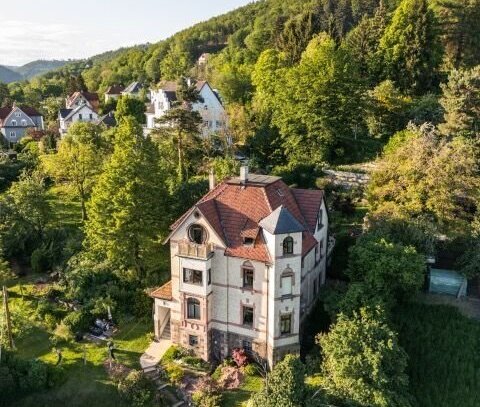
pixel 58 29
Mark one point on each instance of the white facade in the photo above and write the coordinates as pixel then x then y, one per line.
pixel 211 110
pixel 82 114
pixel 284 290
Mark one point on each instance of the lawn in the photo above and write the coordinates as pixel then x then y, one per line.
pixel 85 384
pixel 237 397
pixel 444 355
pixel 66 206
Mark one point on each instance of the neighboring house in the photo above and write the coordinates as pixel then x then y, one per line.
pixel 211 109
pixel 247 264
pixel 133 90
pixel 107 120
pixel 203 59
pixel 113 92
pixel 16 120
pixel 81 113
pixel 83 98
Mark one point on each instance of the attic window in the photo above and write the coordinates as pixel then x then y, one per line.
pixel 248 241
pixel 197 234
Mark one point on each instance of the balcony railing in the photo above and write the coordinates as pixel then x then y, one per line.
pixel 202 251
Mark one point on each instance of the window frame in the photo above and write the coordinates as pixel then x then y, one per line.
pixel 245 271
pixel 194 280
pixel 191 233
pixel 287 319
pixel 193 340
pixel 287 246
pixel 250 310
pixel 196 311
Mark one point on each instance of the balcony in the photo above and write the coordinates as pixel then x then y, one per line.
pixel 199 251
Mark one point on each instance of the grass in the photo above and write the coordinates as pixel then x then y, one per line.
pixel 237 397
pixel 66 206
pixel 444 359
pixel 86 384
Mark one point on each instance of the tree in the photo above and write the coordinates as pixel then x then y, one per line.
pixel 388 270
pixel 461 102
pixel 78 160
pixel 319 104
pixel 126 212
pixel 24 214
pixel 130 106
pixel 460 31
pixel 362 43
pixel 388 110
pixel 284 385
pixel 363 362
pixel 422 175
pixel 180 126
pixel 410 47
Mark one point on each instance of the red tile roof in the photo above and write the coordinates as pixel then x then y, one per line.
pixel 29 111
pixel 234 211
pixel 164 292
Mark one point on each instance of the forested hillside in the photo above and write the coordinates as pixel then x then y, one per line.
pixel 339 77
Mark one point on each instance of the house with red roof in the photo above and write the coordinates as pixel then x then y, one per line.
pixel 16 120
pixel 247 264
pixel 79 107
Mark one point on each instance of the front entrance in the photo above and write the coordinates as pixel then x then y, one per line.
pixel 162 323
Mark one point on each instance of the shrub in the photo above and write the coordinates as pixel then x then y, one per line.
pixel 175 373
pixel 174 353
pixel 217 373
pixel 206 399
pixel 195 361
pixel 39 260
pixel 240 357
pixel 136 389
pixel 250 370
pixel 77 321
pixel 62 333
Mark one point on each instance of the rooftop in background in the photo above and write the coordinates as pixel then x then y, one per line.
pixel 255 179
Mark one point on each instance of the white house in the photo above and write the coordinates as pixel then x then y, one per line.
pixel 113 92
pixel 83 98
pixel 211 109
pixel 247 263
pixel 82 113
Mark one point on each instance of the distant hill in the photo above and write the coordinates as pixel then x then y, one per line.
pixel 7 75
pixel 17 73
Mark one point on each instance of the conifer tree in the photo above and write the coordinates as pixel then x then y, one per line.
pixel 410 47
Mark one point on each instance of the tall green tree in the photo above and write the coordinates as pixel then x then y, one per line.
pixel 284 386
pixel 363 362
pixel 319 104
pixel 180 126
pixel 78 160
pixel 127 205
pixel 423 175
pixel 410 47
pixel 460 31
pixel 461 103
pixel 130 106
pixel 24 214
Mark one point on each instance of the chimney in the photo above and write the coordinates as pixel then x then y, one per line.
pixel 244 174
pixel 211 180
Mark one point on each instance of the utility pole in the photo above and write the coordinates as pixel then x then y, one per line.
pixel 7 317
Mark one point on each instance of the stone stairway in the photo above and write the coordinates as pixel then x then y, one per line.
pixel 154 373
pixel 166 334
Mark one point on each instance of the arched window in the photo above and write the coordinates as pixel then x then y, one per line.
pixel 288 245
pixel 197 234
pixel 193 308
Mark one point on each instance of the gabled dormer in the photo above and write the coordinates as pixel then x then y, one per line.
pixel 283 233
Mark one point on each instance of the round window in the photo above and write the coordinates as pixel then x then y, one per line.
pixel 197 234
